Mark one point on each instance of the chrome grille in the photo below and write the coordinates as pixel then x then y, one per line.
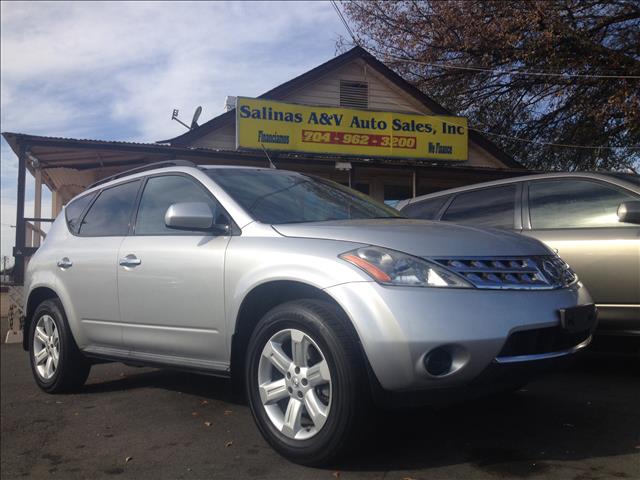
pixel 511 273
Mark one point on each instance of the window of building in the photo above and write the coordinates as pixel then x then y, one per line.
pixel 489 207
pixel 354 94
pixel 74 211
pixel 574 204
pixel 425 209
pixel 162 192
pixel 111 212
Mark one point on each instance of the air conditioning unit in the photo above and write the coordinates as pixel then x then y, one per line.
pixel 230 103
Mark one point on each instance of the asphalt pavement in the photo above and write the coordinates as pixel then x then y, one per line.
pixel 579 424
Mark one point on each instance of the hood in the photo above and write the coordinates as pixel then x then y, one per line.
pixel 420 238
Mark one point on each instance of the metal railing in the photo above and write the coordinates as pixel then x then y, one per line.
pixel 34 234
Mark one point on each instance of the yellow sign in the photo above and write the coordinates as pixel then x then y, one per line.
pixel 302 128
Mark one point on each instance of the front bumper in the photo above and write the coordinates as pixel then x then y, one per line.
pixel 399 326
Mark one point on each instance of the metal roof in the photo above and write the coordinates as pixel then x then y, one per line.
pixel 80 162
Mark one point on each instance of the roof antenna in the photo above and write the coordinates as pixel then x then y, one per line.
pixel 271 164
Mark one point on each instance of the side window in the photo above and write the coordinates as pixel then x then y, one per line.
pixel 110 214
pixel 74 210
pixel 426 209
pixel 574 204
pixel 160 193
pixel 489 207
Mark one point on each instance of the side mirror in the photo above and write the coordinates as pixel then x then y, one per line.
pixel 192 216
pixel 629 212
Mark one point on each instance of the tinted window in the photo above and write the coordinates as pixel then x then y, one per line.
pixel 490 207
pixel 574 204
pixel 274 196
pixel 160 193
pixel 110 213
pixel 74 210
pixel 426 209
pixel 627 177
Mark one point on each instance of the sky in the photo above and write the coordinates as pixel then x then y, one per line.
pixel 116 70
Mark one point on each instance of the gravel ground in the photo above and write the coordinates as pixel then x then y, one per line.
pixel 580 424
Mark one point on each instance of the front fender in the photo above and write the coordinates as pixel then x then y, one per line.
pixel 251 262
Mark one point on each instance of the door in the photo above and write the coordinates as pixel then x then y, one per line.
pixel 578 218
pixel 170 282
pixel 88 266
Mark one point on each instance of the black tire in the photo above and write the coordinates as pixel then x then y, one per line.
pixel 327 326
pixel 73 368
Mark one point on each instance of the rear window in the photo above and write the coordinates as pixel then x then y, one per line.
pixel 75 209
pixel 425 209
pixel 110 214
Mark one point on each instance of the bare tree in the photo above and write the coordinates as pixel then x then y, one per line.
pixel 544 71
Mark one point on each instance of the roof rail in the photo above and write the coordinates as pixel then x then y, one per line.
pixel 149 166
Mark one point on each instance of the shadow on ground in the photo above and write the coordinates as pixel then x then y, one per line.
pixel 585 412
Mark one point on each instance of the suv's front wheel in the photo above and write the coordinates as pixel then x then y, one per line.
pixel 56 362
pixel 304 381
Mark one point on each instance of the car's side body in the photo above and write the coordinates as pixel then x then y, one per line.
pixel 605 254
pixel 102 330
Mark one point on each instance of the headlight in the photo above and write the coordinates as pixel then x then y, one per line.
pixel 389 267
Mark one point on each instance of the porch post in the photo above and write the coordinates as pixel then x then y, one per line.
pixel 54 201
pixel 37 207
pixel 18 252
pixel 414 183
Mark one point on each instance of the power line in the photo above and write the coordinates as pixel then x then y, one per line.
pixel 344 22
pixel 511 72
pixel 564 145
pixel 483 69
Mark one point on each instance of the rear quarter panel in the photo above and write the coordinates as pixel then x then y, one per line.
pixel 42 271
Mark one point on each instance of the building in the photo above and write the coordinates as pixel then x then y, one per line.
pixel 354 80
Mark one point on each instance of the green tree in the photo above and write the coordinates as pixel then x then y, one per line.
pixel 582 40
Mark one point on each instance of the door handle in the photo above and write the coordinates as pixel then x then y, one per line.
pixel 130 261
pixel 64 263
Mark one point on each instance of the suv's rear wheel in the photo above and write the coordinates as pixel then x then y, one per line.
pixel 305 381
pixel 56 362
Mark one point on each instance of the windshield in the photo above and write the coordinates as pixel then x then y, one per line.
pixel 274 196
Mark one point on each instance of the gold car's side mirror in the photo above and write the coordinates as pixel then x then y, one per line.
pixel 629 212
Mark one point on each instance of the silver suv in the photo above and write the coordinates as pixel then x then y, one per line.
pixel 312 296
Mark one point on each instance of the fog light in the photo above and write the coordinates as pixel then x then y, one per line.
pixel 438 362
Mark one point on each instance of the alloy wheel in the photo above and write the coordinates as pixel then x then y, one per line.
pixel 295 384
pixel 46 347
